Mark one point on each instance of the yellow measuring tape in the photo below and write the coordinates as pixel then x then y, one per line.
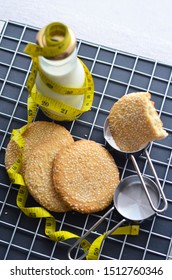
pixel 48 104
pixel 50 225
pixel 53 47
pixel 93 249
pixel 35 212
pixel 56 109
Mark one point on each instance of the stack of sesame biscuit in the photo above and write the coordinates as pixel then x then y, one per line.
pixel 62 174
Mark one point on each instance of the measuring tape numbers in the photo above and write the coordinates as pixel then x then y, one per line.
pixel 56 109
pixel 94 250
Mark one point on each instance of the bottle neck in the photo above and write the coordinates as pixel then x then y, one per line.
pixel 58 67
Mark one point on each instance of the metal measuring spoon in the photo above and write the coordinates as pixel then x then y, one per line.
pixel 131 203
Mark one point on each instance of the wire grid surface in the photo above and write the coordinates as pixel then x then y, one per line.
pixel 115 73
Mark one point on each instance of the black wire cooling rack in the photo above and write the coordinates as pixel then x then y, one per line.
pixel 115 73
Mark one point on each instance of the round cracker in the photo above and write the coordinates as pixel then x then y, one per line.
pixel 38 177
pixel 37 133
pixel 85 175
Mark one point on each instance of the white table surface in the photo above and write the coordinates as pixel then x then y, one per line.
pixel 141 27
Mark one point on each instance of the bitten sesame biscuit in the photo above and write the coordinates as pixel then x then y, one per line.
pixel 85 175
pixel 38 177
pixel 134 122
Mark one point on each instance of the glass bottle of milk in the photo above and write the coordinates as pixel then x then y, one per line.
pixel 64 69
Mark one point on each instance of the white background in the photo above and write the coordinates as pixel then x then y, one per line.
pixel 141 27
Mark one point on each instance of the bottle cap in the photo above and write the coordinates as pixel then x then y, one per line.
pixel 58 35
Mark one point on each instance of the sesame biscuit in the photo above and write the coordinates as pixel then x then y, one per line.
pixel 38 132
pixel 38 177
pixel 86 176
pixel 134 122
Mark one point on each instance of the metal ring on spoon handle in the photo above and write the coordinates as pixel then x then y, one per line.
pixel 158 183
